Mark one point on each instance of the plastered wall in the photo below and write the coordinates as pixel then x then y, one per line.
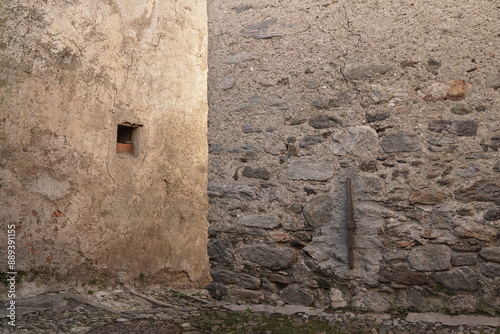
pixel 71 71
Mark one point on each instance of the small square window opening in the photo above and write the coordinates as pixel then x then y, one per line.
pixel 127 139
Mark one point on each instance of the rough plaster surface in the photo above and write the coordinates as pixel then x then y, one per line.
pixel 70 72
pixel 403 97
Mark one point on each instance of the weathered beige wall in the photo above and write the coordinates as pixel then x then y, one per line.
pixel 70 72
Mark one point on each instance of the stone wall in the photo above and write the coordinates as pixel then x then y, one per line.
pixel 71 72
pixel 400 96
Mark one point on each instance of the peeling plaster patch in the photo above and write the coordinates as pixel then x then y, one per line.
pixel 49 187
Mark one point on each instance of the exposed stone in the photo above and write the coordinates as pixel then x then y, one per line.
pixel 363 72
pixel 337 299
pixel 481 191
pixel 227 82
pixel 260 30
pixel 277 148
pixel 492 214
pixel 261 221
pixel 321 102
pixel 311 140
pixel 257 173
pixel 401 275
pixel 456 90
pixel 269 257
pixel 428 197
pixel 464 128
pixel 248 128
pixel 354 140
pixel 241 8
pixel 415 298
pixel 216 290
pixel 323 121
pixel 376 117
pixel 491 254
pixel 372 301
pixel 340 99
pixel 440 125
pixel 470 171
pixel 459 128
pixel 483 234
pixel 401 142
pixel 368 166
pixel 458 279
pixel 430 257
pixel 319 211
pixel 252 103
pixel 230 277
pixel 217 251
pixel 296 296
pixel 490 269
pixel 278 278
pixel 493 81
pixel 461 110
pixel 464 259
pixel 306 168
pixel 441 141
pixel 433 66
pixel 279 103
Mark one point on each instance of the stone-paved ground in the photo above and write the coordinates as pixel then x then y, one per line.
pixel 173 313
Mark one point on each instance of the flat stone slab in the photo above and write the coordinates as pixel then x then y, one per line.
pixel 455 320
pixel 34 304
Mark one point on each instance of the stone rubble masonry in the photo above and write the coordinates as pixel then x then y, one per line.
pixel 402 98
pixel 70 72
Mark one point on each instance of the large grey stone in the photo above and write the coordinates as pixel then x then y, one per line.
pixel 306 168
pixel 430 258
pixel 319 211
pixel 270 257
pixel 261 221
pixel 458 279
pixel 372 301
pixel 217 251
pixel 296 296
pixel 401 142
pixel 355 140
pixel 491 254
pixel 230 277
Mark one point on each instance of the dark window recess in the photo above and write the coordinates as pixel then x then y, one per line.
pixel 124 134
pixel 127 139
